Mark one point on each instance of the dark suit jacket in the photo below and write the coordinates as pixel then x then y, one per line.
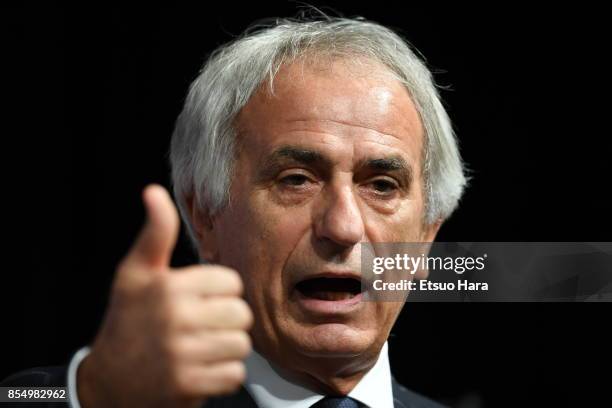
pixel 56 377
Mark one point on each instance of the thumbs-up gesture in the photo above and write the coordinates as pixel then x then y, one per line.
pixel 170 337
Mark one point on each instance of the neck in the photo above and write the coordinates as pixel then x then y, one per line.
pixel 325 375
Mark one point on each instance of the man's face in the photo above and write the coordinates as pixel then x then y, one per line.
pixel 330 161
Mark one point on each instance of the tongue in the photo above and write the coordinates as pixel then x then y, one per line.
pixel 329 295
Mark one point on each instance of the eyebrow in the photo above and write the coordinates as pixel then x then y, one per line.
pixel 395 164
pixel 289 154
pixel 298 154
pixel 387 164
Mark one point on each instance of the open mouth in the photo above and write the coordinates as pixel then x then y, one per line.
pixel 330 289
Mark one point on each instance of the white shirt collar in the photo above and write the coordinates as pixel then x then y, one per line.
pixel 270 390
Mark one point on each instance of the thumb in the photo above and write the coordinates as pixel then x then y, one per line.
pixel 158 236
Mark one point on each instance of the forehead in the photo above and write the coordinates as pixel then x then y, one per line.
pixel 338 103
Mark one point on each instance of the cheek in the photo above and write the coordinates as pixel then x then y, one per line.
pixel 405 225
pixel 388 314
pixel 257 238
pixel 280 226
pixel 408 225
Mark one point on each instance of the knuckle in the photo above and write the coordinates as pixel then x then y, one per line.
pixel 174 349
pixel 178 316
pixel 235 283
pixel 180 381
pixel 243 313
pixel 231 279
pixel 170 309
pixel 235 373
pixel 187 384
pixel 157 287
pixel 207 349
pixel 243 344
pixel 164 285
pixel 124 282
pixel 170 285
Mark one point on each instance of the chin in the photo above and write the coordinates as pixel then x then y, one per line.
pixel 333 340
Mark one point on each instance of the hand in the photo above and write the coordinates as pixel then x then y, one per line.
pixel 169 337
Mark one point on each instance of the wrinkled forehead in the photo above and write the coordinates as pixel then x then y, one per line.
pixel 358 101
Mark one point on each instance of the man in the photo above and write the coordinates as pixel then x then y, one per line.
pixel 298 142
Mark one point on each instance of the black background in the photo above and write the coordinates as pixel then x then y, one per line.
pixel 92 96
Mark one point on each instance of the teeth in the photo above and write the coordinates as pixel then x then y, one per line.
pixel 329 295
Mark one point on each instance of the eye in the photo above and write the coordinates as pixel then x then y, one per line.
pixel 294 180
pixel 384 186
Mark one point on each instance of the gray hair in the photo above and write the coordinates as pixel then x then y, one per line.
pixel 203 142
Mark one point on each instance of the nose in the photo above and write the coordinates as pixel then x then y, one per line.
pixel 340 219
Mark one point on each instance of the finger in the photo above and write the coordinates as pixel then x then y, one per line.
pixel 217 313
pixel 214 346
pixel 210 380
pixel 158 236
pixel 208 280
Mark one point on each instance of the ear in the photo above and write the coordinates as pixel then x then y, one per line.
pixel 203 228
